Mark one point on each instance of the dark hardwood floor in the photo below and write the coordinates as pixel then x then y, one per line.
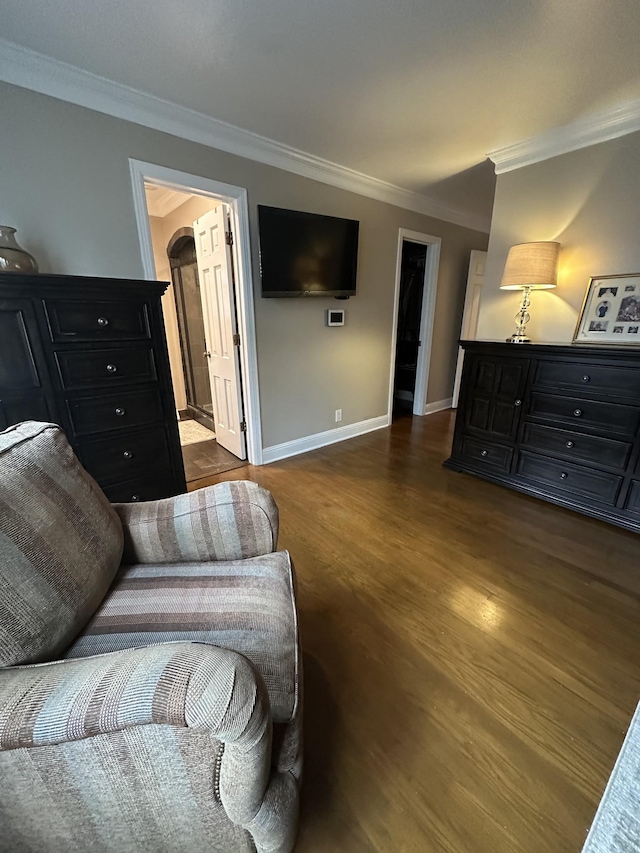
pixel 472 655
pixel 206 459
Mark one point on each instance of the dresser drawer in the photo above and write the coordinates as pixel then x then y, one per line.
pixel 569 478
pixel 633 498
pixel 96 321
pixel 610 417
pixel 607 379
pixel 125 455
pixel 91 368
pixel 485 453
pixel 115 411
pixel 576 445
pixel 144 488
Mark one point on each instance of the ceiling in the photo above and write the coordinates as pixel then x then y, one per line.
pixel 415 93
pixel 161 201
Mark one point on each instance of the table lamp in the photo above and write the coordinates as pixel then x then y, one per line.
pixel 529 266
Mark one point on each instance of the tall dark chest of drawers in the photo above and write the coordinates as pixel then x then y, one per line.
pixel 559 422
pixel 90 354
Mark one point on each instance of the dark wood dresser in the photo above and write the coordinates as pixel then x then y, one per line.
pixel 556 421
pixel 90 354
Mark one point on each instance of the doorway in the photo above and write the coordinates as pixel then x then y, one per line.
pixel 413 264
pixel 414 308
pixel 192 326
pixel 192 261
pixel 183 262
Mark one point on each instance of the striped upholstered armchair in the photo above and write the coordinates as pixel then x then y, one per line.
pixel 149 680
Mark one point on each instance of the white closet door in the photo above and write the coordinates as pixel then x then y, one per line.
pixel 475 282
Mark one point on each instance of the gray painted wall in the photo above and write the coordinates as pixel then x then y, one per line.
pixel 588 201
pixel 64 175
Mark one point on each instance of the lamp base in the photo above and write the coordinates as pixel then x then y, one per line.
pixel 522 318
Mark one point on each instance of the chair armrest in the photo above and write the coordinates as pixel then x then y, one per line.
pixel 191 685
pixel 228 521
pixel 178 684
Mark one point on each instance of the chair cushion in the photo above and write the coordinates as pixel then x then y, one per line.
pixel 60 544
pixel 243 605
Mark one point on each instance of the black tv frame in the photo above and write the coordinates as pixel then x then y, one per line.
pixel 294 294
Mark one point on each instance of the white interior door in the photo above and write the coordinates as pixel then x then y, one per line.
pixel 475 282
pixel 220 326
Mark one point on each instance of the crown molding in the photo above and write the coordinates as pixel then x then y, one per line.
pixel 39 73
pixel 598 127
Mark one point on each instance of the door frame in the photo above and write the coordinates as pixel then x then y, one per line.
pixel 430 287
pixel 236 199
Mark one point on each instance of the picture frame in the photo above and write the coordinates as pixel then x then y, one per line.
pixel 611 311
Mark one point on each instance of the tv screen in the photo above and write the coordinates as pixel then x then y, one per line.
pixel 303 254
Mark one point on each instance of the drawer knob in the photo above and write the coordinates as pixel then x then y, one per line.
pixel 569 444
pixel 103 321
pixel 111 368
pixel 577 413
pixel 586 378
pixel 120 411
pixel 135 497
pixel 128 454
pixel 484 453
pixel 564 475
pixel 518 403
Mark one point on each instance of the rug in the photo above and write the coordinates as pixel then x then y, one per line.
pixel 191 432
pixel 616 826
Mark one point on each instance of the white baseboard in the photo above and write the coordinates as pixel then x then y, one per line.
pixel 438 406
pixel 322 439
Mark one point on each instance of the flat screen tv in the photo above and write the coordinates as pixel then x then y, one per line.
pixel 304 254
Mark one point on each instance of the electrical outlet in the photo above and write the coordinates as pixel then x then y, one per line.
pixel 338 415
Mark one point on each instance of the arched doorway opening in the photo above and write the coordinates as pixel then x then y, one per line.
pixel 186 288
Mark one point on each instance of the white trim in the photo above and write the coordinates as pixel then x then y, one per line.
pixel 438 406
pixel 599 127
pixel 236 198
pixel 39 73
pixel 426 319
pixel 322 439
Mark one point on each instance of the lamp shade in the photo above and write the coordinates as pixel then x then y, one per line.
pixel 533 265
